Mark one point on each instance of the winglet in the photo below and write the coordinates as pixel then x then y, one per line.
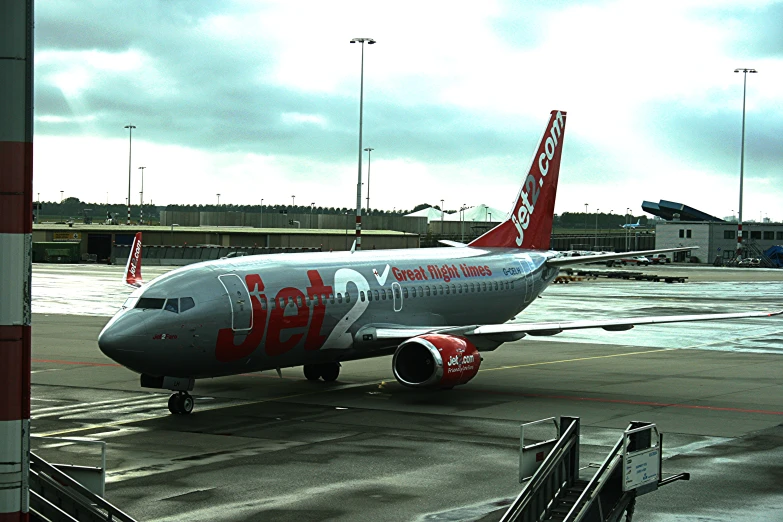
pixel 133 268
pixel 529 224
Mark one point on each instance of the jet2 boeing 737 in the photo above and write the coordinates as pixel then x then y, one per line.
pixel 436 310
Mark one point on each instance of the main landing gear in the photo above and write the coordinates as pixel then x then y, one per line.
pixel 180 403
pixel 326 371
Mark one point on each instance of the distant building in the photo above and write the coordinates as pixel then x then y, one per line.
pixel 716 239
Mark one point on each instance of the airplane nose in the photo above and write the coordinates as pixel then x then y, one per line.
pixel 109 341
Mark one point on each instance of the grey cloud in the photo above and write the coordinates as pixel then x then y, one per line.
pixel 712 139
pixel 755 32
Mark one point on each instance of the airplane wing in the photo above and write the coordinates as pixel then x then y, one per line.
pixel 451 243
pixel 554 328
pixel 577 260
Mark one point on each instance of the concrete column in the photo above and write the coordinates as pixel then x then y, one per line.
pixel 16 223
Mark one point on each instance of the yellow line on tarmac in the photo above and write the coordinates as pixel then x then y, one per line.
pixel 575 360
pixel 59 433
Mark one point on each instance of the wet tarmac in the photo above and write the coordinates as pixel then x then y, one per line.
pixel 263 448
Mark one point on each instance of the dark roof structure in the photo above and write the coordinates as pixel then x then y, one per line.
pixel 666 210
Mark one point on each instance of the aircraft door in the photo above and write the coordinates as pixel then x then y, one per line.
pixel 527 275
pixel 397 296
pixel 241 307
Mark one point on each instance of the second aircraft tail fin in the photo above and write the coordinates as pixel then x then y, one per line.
pixel 133 267
pixel 529 225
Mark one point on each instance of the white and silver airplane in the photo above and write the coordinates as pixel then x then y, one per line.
pixel 436 310
pixel 632 225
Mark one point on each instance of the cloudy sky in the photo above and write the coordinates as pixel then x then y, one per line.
pixel 260 100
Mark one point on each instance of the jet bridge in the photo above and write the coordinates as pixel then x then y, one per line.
pixel 555 491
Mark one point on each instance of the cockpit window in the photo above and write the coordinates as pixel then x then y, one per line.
pixel 130 302
pixel 186 303
pixel 150 303
pixel 172 305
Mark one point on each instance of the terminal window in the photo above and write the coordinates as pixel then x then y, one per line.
pixel 728 234
pixel 769 234
pixel 755 234
pixel 688 232
pixel 682 232
pixel 780 235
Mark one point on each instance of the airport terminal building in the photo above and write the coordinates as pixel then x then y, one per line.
pixel 717 239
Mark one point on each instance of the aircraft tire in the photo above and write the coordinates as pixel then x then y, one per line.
pixel 330 371
pixel 312 372
pixel 186 403
pixel 174 404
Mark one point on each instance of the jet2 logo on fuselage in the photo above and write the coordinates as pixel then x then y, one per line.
pixel 381 278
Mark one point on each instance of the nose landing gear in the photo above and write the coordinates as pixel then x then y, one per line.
pixel 180 403
pixel 326 371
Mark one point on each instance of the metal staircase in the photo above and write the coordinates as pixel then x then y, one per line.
pixel 556 493
pixel 69 493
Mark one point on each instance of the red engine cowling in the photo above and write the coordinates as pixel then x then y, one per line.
pixel 435 361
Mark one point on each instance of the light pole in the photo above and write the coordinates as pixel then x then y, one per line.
pixel 744 72
pixel 62 194
pixel 141 210
pixel 628 219
pixel 462 221
pixel 218 196
pixel 369 164
pixel 261 219
pixel 130 147
pixel 369 41
pixel 441 217
pixel 585 218
pixel 595 247
pixel 293 199
pixel 312 207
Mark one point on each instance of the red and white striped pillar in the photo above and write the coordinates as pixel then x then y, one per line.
pixel 16 226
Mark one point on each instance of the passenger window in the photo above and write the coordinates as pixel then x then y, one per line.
pixel 405 292
pixel 427 289
pixel 263 303
pixel 472 287
pixel 323 299
pixel 339 297
pixel 369 295
pixel 299 301
pixel 454 288
pixel 186 303
pixel 361 295
pixel 447 289
pixel 307 300
pixel 331 298
pixel 496 285
pixel 484 286
pixel 172 305
pixel 377 297
pixel 150 303
pixel 421 291
pixel 383 294
pixel 272 304
pixel 281 302
pixel 413 291
pixel 347 297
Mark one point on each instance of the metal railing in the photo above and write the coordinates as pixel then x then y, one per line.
pixel 51 487
pixel 557 473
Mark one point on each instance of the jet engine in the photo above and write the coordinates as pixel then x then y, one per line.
pixel 435 361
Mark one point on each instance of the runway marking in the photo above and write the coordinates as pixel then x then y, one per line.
pixel 207 408
pixel 75 363
pixel 635 403
pixel 576 359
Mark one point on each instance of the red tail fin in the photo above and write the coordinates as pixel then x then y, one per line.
pixel 133 268
pixel 529 225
